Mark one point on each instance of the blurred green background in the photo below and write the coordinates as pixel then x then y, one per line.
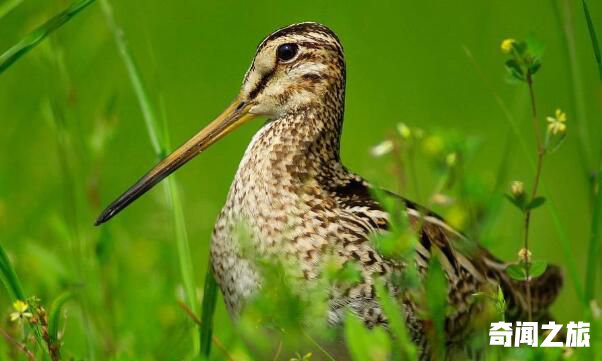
pixel 407 62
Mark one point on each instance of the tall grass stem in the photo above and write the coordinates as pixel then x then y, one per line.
pixel 594 248
pixel 13 54
pixel 159 146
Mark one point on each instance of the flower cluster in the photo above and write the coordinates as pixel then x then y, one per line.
pixel 525 58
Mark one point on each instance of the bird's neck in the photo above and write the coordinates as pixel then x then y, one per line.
pixel 295 147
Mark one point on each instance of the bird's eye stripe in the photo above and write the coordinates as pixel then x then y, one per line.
pixel 261 84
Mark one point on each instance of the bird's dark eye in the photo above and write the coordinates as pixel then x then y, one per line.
pixel 286 52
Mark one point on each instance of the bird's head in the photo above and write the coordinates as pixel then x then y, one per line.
pixel 296 67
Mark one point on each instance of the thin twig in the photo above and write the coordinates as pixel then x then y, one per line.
pixel 196 320
pixel 315 343
pixel 539 165
pixel 398 164
pixel 593 249
pixel 278 351
pixel 21 346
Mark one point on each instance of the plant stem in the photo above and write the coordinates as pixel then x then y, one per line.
pixel 19 345
pixel 593 249
pixel 398 163
pixel 196 320
pixel 35 37
pixel 207 311
pixel 593 37
pixel 539 165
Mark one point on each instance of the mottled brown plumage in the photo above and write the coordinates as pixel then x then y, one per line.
pixel 298 202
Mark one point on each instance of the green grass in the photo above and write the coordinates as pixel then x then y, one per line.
pixel 34 38
pixel 161 150
pixel 594 248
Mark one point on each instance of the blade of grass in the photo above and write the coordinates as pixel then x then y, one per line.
pixel 208 309
pixel 215 340
pixel 594 240
pixel 9 6
pixel 593 37
pixel 56 114
pixel 9 277
pixel 159 146
pixel 565 19
pixel 592 259
pixel 55 315
pixel 35 37
pixel 397 324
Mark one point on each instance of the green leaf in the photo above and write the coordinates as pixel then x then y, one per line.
pixel 364 344
pixel 500 302
pixel 208 310
pixel 436 299
pixel 35 37
pixel 350 273
pixel 516 272
pixel 533 68
pixel 520 47
pixel 536 202
pixel 9 277
pixel 537 268
pixel 7 6
pixel 519 202
pixel 515 69
pixel 55 315
pixel 397 324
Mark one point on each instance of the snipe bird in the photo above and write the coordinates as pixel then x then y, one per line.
pixel 298 200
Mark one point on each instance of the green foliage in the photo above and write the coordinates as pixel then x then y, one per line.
pixel 595 231
pixel 160 147
pixel 523 203
pixel 525 58
pixel 54 318
pixel 437 306
pixel 8 6
pixel 9 277
pixel 518 271
pixel 403 348
pixel 593 37
pixel 30 41
pixel 364 344
pixel 207 312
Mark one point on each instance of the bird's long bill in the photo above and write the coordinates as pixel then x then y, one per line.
pixel 235 115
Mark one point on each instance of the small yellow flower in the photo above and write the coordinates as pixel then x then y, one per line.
pixel 524 255
pixel 507 45
pixel 517 188
pixel 557 123
pixel 404 131
pixel 20 313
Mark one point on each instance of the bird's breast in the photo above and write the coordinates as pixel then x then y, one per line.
pixel 267 208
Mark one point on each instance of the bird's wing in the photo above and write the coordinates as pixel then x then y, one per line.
pixel 468 265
